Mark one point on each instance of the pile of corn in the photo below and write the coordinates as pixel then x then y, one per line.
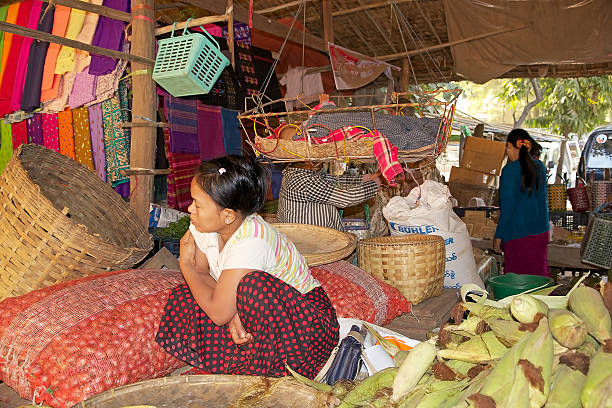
pixel 526 354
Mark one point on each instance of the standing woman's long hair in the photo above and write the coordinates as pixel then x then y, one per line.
pixel 520 139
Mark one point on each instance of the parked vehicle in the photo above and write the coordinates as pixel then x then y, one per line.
pixel 597 153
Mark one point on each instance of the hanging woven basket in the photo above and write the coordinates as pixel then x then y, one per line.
pixel 59 221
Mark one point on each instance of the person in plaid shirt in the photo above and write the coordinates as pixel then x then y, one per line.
pixel 308 196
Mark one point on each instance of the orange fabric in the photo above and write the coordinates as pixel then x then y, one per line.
pixel 11 17
pixel 50 81
pixel 66 133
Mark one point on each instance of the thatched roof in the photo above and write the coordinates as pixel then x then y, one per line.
pixel 371 27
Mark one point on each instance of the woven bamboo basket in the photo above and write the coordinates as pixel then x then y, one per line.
pixel 557 197
pixel 319 245
pixel 413 263
pixel 215 390
pixel 59 221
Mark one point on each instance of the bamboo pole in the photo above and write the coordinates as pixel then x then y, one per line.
pixel 142 150
pixel 94 8
pixel 193 23
pixel 328 21
pixel 229 12
pixel 46 37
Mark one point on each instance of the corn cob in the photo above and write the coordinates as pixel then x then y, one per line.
pixel 412 399
pixel 536 364
pixel 588 304
pixel 436 398
pixel 527 309
pixel 567 328
pixel 487 312
pixel 518 395
pixel 412 369
pixel 565 382
pixel 597 390
pixel 471 326
pixel 507 331
pixel 479 349
pixel 389 347
pixel 458 401
pixel 366 389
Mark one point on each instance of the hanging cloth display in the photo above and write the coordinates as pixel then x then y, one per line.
pixel 50 131
pixel 10 72
pixel 97 139
pixel 182 116
pixel 35 132
pixel 30 99
pixel 20 133
pixel 82 139
pixel 66 56
pixel 3 14
pixel 7 39
pixel 83 90
pixel 6 144
pixel 116 140
pixel 109 34
pixel 210 132
pixel 231 131
pixel 50 81
pixel 66 133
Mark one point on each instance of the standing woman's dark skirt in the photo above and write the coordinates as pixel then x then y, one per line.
pixel 300 330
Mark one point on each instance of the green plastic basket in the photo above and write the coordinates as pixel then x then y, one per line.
pixel 511 284
pixel 596 247
pixel 188 64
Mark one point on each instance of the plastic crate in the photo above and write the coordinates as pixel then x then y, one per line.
pixel 460 211
pixel 188 64
pixel 568 220
pixel 597 243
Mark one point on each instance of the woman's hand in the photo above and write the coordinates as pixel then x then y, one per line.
pixel 375 177
pixel 187 258
pixel 497 245
pixel 239 335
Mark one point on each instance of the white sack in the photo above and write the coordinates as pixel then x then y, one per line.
pixel 433 214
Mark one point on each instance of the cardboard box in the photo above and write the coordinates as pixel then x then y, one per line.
pixel 484 155
pixel 474 177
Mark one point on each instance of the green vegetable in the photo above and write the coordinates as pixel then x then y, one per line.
pixel 174 230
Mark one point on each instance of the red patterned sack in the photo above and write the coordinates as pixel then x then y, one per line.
pixel 64 343
pixel 357 294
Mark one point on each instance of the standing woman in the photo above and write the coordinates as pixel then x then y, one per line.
pixel 522 230
pixel 250 304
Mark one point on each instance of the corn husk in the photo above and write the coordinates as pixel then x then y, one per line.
pixel 435 398
pixel 389 347
pixel 565 382
pixel 588 304
pixel 471 326
pixel 507 331
pixel 526 308
pixel 567 328
pixel 366 389
pixel 597 390
pixel 487 312
pixel 479 349
pixel 536 363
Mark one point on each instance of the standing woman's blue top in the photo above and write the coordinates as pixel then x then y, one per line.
pixel 521 213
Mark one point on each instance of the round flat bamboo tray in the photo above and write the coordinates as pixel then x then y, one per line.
pixel 204 391
pixel 59 221
pixel 319 245
pixel 413 263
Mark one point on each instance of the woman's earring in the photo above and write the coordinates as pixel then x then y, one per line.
pixel 227 221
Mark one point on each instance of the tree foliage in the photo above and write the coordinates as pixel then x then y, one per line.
pixel 575 105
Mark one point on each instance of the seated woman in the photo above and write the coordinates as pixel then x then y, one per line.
pixel 250 304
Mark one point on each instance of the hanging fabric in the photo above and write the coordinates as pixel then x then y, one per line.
pixel 3 13
pixel 116 140
pixel 106 85
pixel 66 57
pixel 182 116
pixel 66 133
pixel 210 132
pixel 35 132
pixel 7 39
pixel 30 99
pixel 50 129
pixel 20 133
pixel 24 54
pixel 50 81
pixel 83 90
pixel 232 140
pixel 182 169
pixel 96 130
pixel 6 144
pixel 109 34
pixel 86 35
pixel 64 89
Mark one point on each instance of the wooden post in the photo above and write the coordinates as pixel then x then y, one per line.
pixel 229 11
pixel 328 22
pixel 405 76
pixel 142 152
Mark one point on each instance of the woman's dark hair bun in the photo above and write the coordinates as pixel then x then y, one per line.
pixel 236 182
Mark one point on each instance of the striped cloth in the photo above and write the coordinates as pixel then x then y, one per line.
pixel 182 168
pixel 310 197
pixel 183 123
pixel 386 156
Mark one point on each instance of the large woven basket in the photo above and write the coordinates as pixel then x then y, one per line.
pixel 59 221
pixel 413 263
pixel 557 197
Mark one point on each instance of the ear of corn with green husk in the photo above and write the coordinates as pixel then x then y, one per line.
pixel 471 326
pixel 507 331
pixel 479 349
pixel 389 347
pixel 413 398
pixel 366 389
pixel 417 362
pixel 598 384
pixel 526 308
pixel 567 328
pixel 536 363
pixel 487 312
pixel 435 398
pixel 565 382
pixel 588 304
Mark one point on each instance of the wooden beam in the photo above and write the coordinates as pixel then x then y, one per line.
pixel 143 172
pixel 281 7
pixel 193 23
pixel 262 23
pixel 449 44
pixel 380 31
pixel 229 12
pixel 405 75
pixel 328 22
pixel 362 8
pixel 142 149
pixel 432 28
pixel 94 8
pixel 46 37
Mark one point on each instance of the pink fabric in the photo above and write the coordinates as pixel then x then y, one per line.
pixel 527 255
pixel 20 133
pixel 96 131
pixel 22 62
pixel 386 156
pixel 83 90
pixel 50 128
